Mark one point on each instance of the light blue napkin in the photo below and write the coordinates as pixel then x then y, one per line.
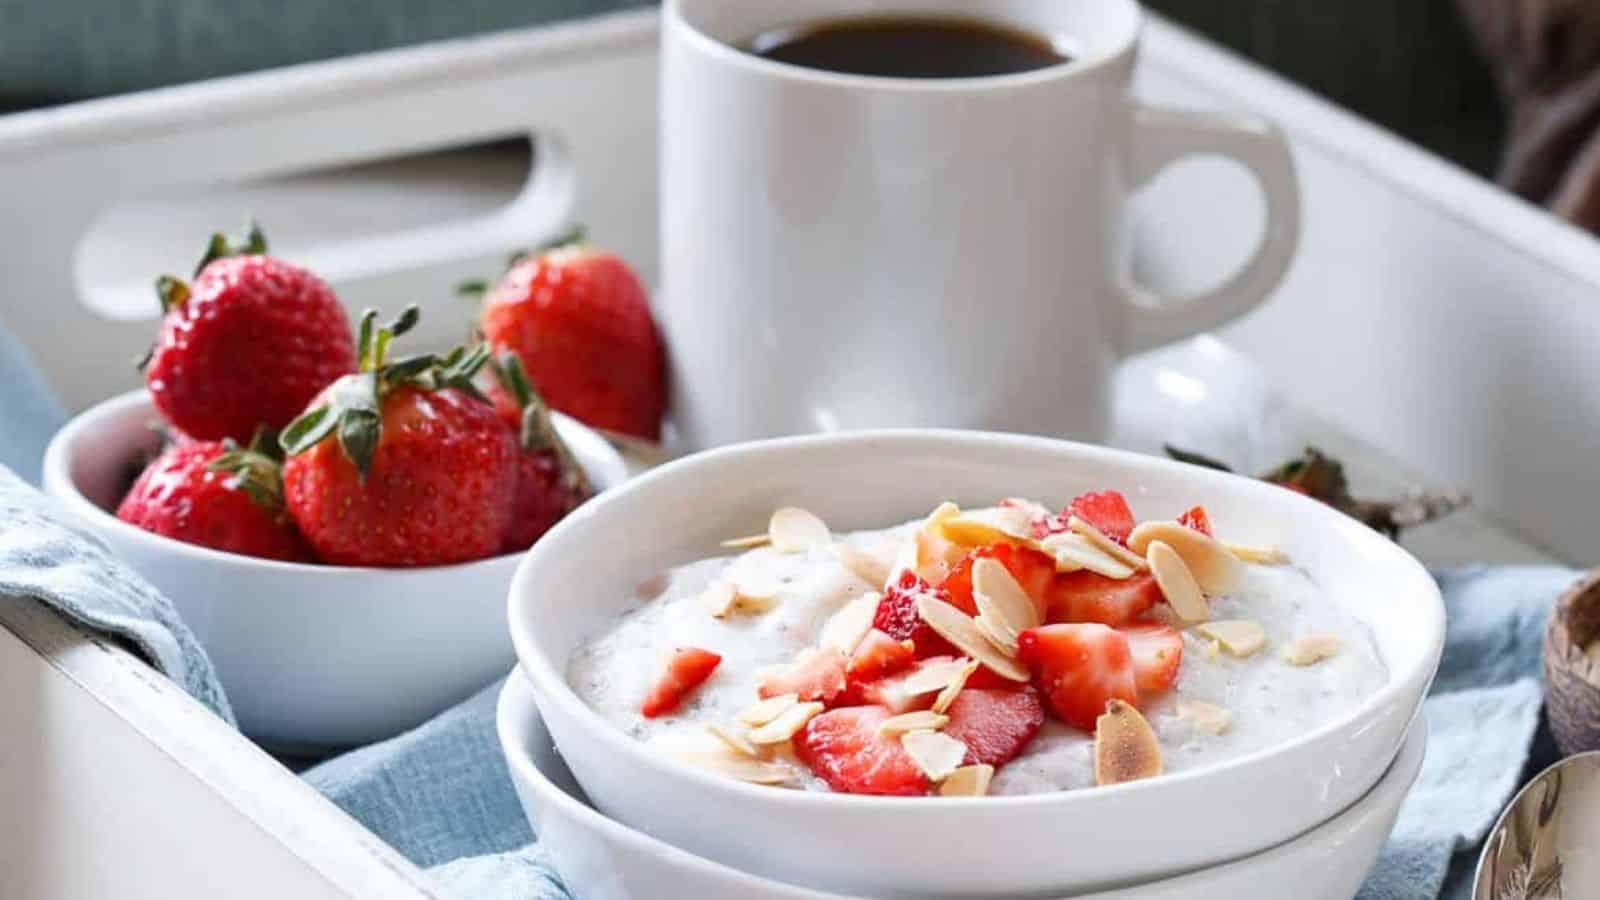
pixel 29 410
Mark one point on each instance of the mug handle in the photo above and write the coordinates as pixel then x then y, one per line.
pixel 1163 136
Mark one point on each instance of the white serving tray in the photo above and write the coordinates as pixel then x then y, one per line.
pixel 1454 330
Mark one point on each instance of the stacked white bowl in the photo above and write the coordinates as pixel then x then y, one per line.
pixel 1305 818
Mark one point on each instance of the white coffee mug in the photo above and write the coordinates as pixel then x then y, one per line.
pixel 846 251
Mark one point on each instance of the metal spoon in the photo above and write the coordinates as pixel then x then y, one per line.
pixel 1546 845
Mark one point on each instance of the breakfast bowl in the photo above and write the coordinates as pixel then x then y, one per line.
pixel 585 574
pixel 600 859
pixel 312 657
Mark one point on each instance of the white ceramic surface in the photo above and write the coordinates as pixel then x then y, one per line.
pixel 815 218
pixel 600 859
pixel 311 656
pixel 583 574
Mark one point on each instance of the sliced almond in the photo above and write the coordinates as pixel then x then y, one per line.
pixel 845 628
pixel 754 594
pixel 747 542
pixel 1207 717
pixel 734 739
pixel 1032 509
pixel 956 627
pixel 1258 554
pixel 952 690
pixel 1125 747
pixel 768 709
pixel 737 767
pixel 1177 583
pixel 866 566
pixel 1311 649
pixel 930 677
pixel 1104 543
pixel 718 598
pixel 936 754
pixel 795 530
pixel 917 720
pixel 786 725
pixel 980 528
pixel 1001 635
pixel 1215 569
pixel 967 781
pixel 999 596
pixel 1073 552
pixel 1239 637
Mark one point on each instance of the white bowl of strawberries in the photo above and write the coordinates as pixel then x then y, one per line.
pixel 991 701
pixel 337 527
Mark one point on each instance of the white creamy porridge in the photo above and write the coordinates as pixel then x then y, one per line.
pixel 1265 698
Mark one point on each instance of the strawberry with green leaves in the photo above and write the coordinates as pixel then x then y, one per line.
pixel 550 483
pixel 402 463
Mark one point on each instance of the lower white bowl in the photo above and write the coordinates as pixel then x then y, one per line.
pixel 312 657
pixel 600 859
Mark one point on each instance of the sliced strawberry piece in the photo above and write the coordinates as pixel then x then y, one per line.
pixel 1157 652
pixel 1034 570
pixel 1087 597
pixel 995 725
pixel 897 616
pixel 1078 668
pixel 1105 510
pixel 843 748
pixel 890 692
pixel 818 674
pixel 1198 519
pixel 878 655
pixel 688 668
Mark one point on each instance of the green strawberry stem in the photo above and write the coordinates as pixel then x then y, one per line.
pixel 476 288
pixel 253 244
pixel 538 429
pixel 254 471
pixel 353 409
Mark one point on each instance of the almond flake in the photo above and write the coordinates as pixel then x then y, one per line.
pixel 737 767
pixel 747 542
pixel 754 594
pixel 998 634
pixel 1177 583
pixel 1104 543
pixel 1215 569
pixel 1259 554
pixel 936 754
pixel 967 781
pixel 1032 509
pixel 952 690
pixel 1311 649
pixel 794 530
pixel 1001 598
pixel 868 567
pixel 1125 748
pixel 768 709
pixel 956 627
pixel 1073 552
pixel 1239 637
pixel 918 720
pixel 734 739
pixel 845 628
pixel 785 725
pixel 718 599
pixel 1207 717
pixel 933 676
pixel 980 528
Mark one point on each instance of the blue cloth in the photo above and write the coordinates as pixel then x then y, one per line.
pixel 29 410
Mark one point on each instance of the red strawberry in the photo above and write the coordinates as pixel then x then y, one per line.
pixel 404 464
pixel 878 655
pixel 890 691
pixel 1105 510
pixel 688 668
pixel 550 483
pixel 1078 668
pixel 580 321
pixel 995 725
pixel 897 616
pixel 1087 597
pixel 1198 519
pixel 1033 570
pixel 843 748
pixel 818 674
pixel 216 495
pixel 1157 653
pixel 247 345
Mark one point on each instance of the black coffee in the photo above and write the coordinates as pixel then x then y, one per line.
pixel 909 47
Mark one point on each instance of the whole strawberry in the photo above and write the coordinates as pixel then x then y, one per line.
pixel 247 345
pixel 579 320
pixel 550 483
pixel 217 495
pixel 401 464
